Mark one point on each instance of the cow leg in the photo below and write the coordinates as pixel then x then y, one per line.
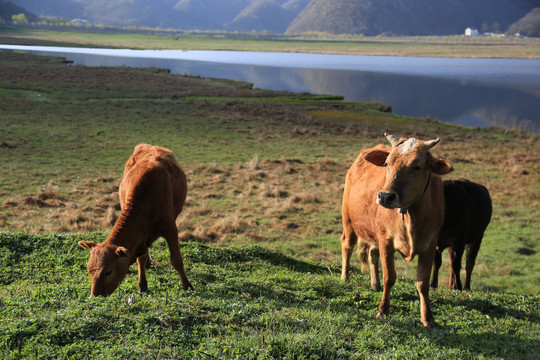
pixel 455 267
pixel 176 257
pixel 437 262
pixel 389 277
pixel 141 262
pixel 472 251
pixel 374 267
pixel 348 241
pixel 423 271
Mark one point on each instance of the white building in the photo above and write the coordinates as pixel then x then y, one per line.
pixel 471 32
pixel 79 22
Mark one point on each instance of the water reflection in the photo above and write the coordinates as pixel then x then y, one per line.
pixel 466 103
pixel 471 92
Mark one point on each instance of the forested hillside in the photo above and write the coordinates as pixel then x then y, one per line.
pixel 528 25
pixel 8 9
pixel 409 17
pixel 368 17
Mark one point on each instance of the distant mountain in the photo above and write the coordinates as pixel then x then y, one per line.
pixel 267 15
pixel 243 15
pixel 8 9
pixel 207 14
pixel 409 17
pixel 529 25
pixel 128 12
pixel 368 17
pixel 67 9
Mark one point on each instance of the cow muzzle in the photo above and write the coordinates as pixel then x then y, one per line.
pixel 388 199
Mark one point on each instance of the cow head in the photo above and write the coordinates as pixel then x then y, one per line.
pixel 409 166
pixel 108 265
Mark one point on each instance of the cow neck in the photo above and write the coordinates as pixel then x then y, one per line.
pixel 403 211
pixel 128 231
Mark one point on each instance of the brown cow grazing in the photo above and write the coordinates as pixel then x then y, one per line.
pixel 467 215
pixel 152 194
pixel 394 199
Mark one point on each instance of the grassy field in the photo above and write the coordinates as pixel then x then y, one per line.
pixel 262 223
pixel 450 46
pixel 248 303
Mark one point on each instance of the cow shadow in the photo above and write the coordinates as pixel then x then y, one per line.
pixel 199 253
pixel 500 338
pixel 472 342
pixel 489 308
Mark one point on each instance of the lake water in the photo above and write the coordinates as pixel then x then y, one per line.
pixel 472 92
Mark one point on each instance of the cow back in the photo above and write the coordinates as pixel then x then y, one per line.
pixel 153 182
pixel 468 212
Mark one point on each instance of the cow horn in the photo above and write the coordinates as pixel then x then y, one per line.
pixel 431 143
pixel 394 140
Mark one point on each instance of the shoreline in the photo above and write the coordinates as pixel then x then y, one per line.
pixel 429 46
pixel 432 68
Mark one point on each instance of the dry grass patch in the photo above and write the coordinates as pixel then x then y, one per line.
pixel 89 206
pixel 304 198
pixel 260 200
pixel 200 235
pixel 232 225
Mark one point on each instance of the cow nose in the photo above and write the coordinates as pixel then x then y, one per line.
pixel 387 199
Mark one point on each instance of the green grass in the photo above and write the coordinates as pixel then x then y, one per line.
pixel 265 178
pixel 402 46
pixel 248 303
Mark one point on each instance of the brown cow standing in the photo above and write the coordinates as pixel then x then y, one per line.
pixel 152 194
pixel 394 198
pixel 467 214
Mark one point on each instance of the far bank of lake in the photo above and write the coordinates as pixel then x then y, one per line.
pixel 464 91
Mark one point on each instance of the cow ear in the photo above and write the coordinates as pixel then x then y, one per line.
pixel 441 167
pixel 122 251
pixel 87 244
pixel 377 157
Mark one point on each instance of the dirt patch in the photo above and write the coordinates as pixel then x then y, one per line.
pixel 41 200
pixel 232 225
pixel 91 206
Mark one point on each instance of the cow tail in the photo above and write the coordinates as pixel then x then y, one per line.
pixel 363 254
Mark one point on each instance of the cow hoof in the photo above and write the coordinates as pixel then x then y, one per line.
pixel 142 288
pixel 454 286
pixel 381 314
pixel 430 324
pixel 187 286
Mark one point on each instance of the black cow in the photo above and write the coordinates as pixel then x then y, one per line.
pixel 467 215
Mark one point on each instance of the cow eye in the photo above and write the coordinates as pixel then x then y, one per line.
pixel 108 273
pixel 417 168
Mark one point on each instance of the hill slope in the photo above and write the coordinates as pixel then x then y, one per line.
pixel 243 15
pixel 369 17
pixel 267 15
pixel 7 9
pixel 410 17
pixel 529 25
